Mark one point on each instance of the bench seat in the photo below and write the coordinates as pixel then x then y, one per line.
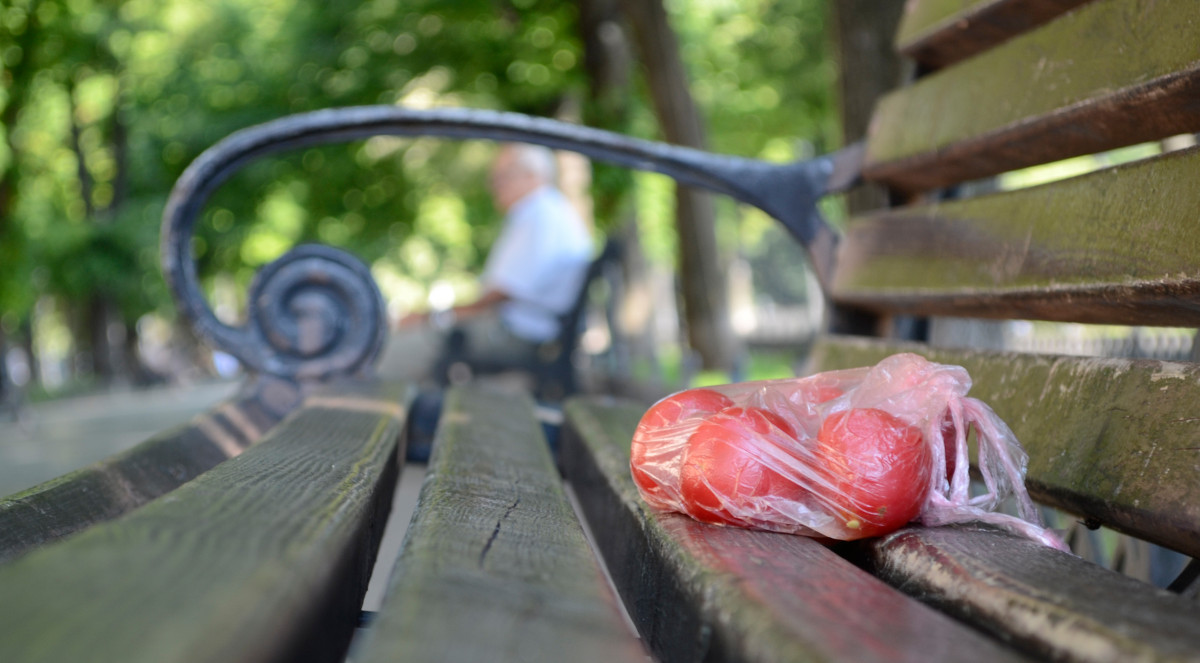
pixel 265 557
pixel 107 489
pixel 255 543
pixel 706 592
pixel 495 565
pixel 1054 605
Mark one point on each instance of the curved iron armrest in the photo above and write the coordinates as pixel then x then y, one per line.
pixel 316 313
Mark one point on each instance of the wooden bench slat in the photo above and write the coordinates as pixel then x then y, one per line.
pixel 1036 99
pixel 1109 439
pixel 938 33
pixel 264 557
pixel 495 565
pixel 1054 604
pixel 1094 248
pixel 117 485
pixel 704 592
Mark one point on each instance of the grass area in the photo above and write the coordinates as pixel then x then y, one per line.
pixel 38 393
pixel 761 365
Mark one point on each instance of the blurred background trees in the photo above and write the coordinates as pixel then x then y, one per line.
pixel 103 103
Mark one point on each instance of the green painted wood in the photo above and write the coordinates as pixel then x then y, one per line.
pixel 1112 73
pixel 263 558
pixel 1115 246
pixel 60 507
pixel 1112 440
pixel 938 33
pixel 1053 604
pixel 705 592
pixel 495 566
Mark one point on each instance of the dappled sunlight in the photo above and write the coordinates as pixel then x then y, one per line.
pixel 282 218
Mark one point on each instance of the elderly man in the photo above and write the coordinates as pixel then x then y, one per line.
pixel 533 272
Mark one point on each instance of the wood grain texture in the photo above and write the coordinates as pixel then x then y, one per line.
pixel 495 566
pixel 938 33
pixel 1114 246
pixel 105 490
pixel 1112 440
pixel 1113 73
pixel 263 558
pixel 1052 604
pixel 704 592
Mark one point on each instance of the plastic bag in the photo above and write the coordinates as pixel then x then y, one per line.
pixel 839 455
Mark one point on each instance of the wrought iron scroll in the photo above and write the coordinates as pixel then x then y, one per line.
pixel 316 313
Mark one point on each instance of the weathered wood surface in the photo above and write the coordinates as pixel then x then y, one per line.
pixel 938 33
pixel 495 566
pixel 60 507
pixel 1112 440
pixel 1114 246
pixel 263 558
pixel 1037 98
pixel 704 592
pixel 1050 603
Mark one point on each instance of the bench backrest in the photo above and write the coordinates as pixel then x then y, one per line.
pixel 1010 84
pixel 604 269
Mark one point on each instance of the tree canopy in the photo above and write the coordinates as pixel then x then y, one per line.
pixel 104 103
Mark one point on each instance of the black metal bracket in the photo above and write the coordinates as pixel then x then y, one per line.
pixel 316 313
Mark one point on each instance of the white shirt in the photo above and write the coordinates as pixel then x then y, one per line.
pixel 539 259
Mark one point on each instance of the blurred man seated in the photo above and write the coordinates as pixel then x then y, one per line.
pixel 532 275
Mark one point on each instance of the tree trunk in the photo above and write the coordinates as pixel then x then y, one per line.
pixel 609 65
pixel 6 384
pixel 81 170
pixel 139 373
pixel 98 317
pixel 705 305
pixel 20 75
pixel 26 339
pixel 869 67
pixel 129 365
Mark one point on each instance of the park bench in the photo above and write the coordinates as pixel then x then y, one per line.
pixel 257 539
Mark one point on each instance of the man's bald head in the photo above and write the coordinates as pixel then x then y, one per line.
pixel 520 168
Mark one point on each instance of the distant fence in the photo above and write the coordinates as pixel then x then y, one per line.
pixel 775 326
pixel 1166 344
pixel 1138 345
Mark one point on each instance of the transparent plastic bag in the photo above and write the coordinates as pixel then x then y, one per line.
pixel 839 455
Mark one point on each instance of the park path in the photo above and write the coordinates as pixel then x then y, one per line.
pixel 56 437
pixel 53 438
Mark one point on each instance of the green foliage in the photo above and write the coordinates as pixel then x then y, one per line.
pixel 763 76
pixel 103 104
pixel 106 103
pixel 761 72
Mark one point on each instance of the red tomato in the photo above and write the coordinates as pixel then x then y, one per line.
pixel 817 393
pixel 722 473
pixel 879 468
pixel 662 434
